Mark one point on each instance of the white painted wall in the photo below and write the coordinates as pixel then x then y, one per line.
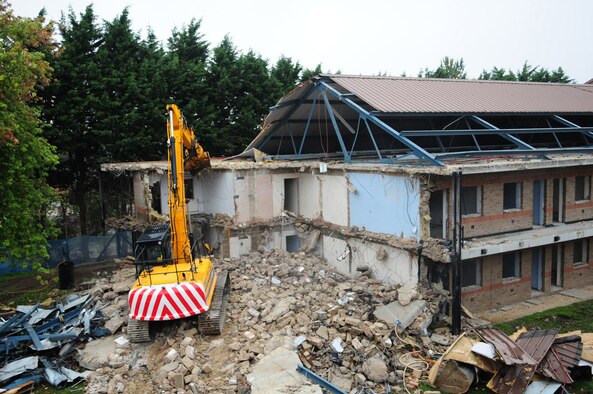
pixel 309 196
pixel 254 196
pixel 397 267
pixel 215 193
pixel 334 199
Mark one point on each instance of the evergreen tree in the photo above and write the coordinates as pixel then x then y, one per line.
pixel 71 107
pixel 286 74
pixel 449 68
pixel 527 73
pixel 309 73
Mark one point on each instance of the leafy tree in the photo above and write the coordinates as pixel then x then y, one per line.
pixel 527 73
pixel 25 155
pixel 71 106
pixel 449 68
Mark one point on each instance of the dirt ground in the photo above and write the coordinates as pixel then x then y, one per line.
pixel 29 285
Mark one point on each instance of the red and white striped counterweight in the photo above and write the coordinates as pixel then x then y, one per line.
pixel 167 302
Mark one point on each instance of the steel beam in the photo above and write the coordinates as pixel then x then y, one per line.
pixel 441 133
pixel 336 128
pixel 307 126
pixel 569 124
pixel 509 137
pixel 417 150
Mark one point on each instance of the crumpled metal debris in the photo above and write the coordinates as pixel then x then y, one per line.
pixel 32 330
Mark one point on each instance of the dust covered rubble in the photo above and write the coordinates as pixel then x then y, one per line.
pixel 278 300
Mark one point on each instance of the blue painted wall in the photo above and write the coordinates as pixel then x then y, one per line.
pixel 385 204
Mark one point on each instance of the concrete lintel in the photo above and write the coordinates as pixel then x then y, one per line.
pixel 488 246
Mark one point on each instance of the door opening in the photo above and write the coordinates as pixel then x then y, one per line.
pixel 557 265
pixel 558 200
pixel 538 202
pixel 537 269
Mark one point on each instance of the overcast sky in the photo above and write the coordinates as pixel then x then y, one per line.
pixel 371 36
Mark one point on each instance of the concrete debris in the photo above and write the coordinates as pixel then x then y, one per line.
pixel 398 315
pixel 292 306
pixel 375 369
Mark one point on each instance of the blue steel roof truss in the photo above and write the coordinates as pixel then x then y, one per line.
pixel 318 96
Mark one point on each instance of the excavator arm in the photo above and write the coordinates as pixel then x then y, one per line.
pixel 184 153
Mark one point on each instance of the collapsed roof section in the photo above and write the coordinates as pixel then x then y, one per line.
pixel 423 121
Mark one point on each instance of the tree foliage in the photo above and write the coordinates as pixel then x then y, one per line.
pixel 25 155
pixel 527 73
pixel 449 68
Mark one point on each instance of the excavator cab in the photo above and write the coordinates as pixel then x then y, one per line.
pixel 153 247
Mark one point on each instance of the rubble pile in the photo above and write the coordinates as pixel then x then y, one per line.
pixel 293 302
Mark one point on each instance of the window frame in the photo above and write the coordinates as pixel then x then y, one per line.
pixel 586 188
pixel 518 196
pixel 584 259
pixel 477 280
pixel 516 268
pixel 478 197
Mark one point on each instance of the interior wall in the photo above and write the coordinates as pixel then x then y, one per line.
pixel 334 199
pixel 215 192
pixel 253 195
pixel 385 204
pixel 386 263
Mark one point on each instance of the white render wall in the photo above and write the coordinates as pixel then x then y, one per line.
pixel 334 199
pixel 397 267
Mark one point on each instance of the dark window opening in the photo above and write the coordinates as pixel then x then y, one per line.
pixel 512 196
pixel 511 265
pixel 471 200
pixel 471 273
pixel 189 188
pixel 582 188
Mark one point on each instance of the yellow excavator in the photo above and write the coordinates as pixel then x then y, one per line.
pixel 175 277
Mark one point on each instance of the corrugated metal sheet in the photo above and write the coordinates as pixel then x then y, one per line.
pixel 423 95
pixel 564 354
pixel 516 378
pixel 510 352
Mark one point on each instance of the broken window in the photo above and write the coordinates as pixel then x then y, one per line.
pixel 512 196
pixel 471 273
pixel 581 252
pixel 511 265
pixel 471 200
pixel 582 188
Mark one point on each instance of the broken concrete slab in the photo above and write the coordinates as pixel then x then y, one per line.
pixel 399 315
pixel 96 353
pixel 277 372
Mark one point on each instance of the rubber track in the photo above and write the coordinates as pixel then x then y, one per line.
pixel 138 330
pixel 211 322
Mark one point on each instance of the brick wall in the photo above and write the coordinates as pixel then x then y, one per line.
pixel 495 292
pixel 494 219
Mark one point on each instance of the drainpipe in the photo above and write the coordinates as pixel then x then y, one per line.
pixel 456 255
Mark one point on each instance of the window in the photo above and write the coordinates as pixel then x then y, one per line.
pixel 471 200
pixel 189 188
pixel 512 196
pixel 582 188
pixel 581 252
pixel 471 273
pixel 511 265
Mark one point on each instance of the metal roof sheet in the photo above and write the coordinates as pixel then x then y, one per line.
pixel 425 95
pixel 510 352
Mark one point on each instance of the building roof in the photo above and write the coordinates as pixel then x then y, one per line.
pixel 426 121
pixel 424 95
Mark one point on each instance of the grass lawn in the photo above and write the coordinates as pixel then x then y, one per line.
pixel 577 316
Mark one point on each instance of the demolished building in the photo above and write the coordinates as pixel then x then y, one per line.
pixel 359 170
